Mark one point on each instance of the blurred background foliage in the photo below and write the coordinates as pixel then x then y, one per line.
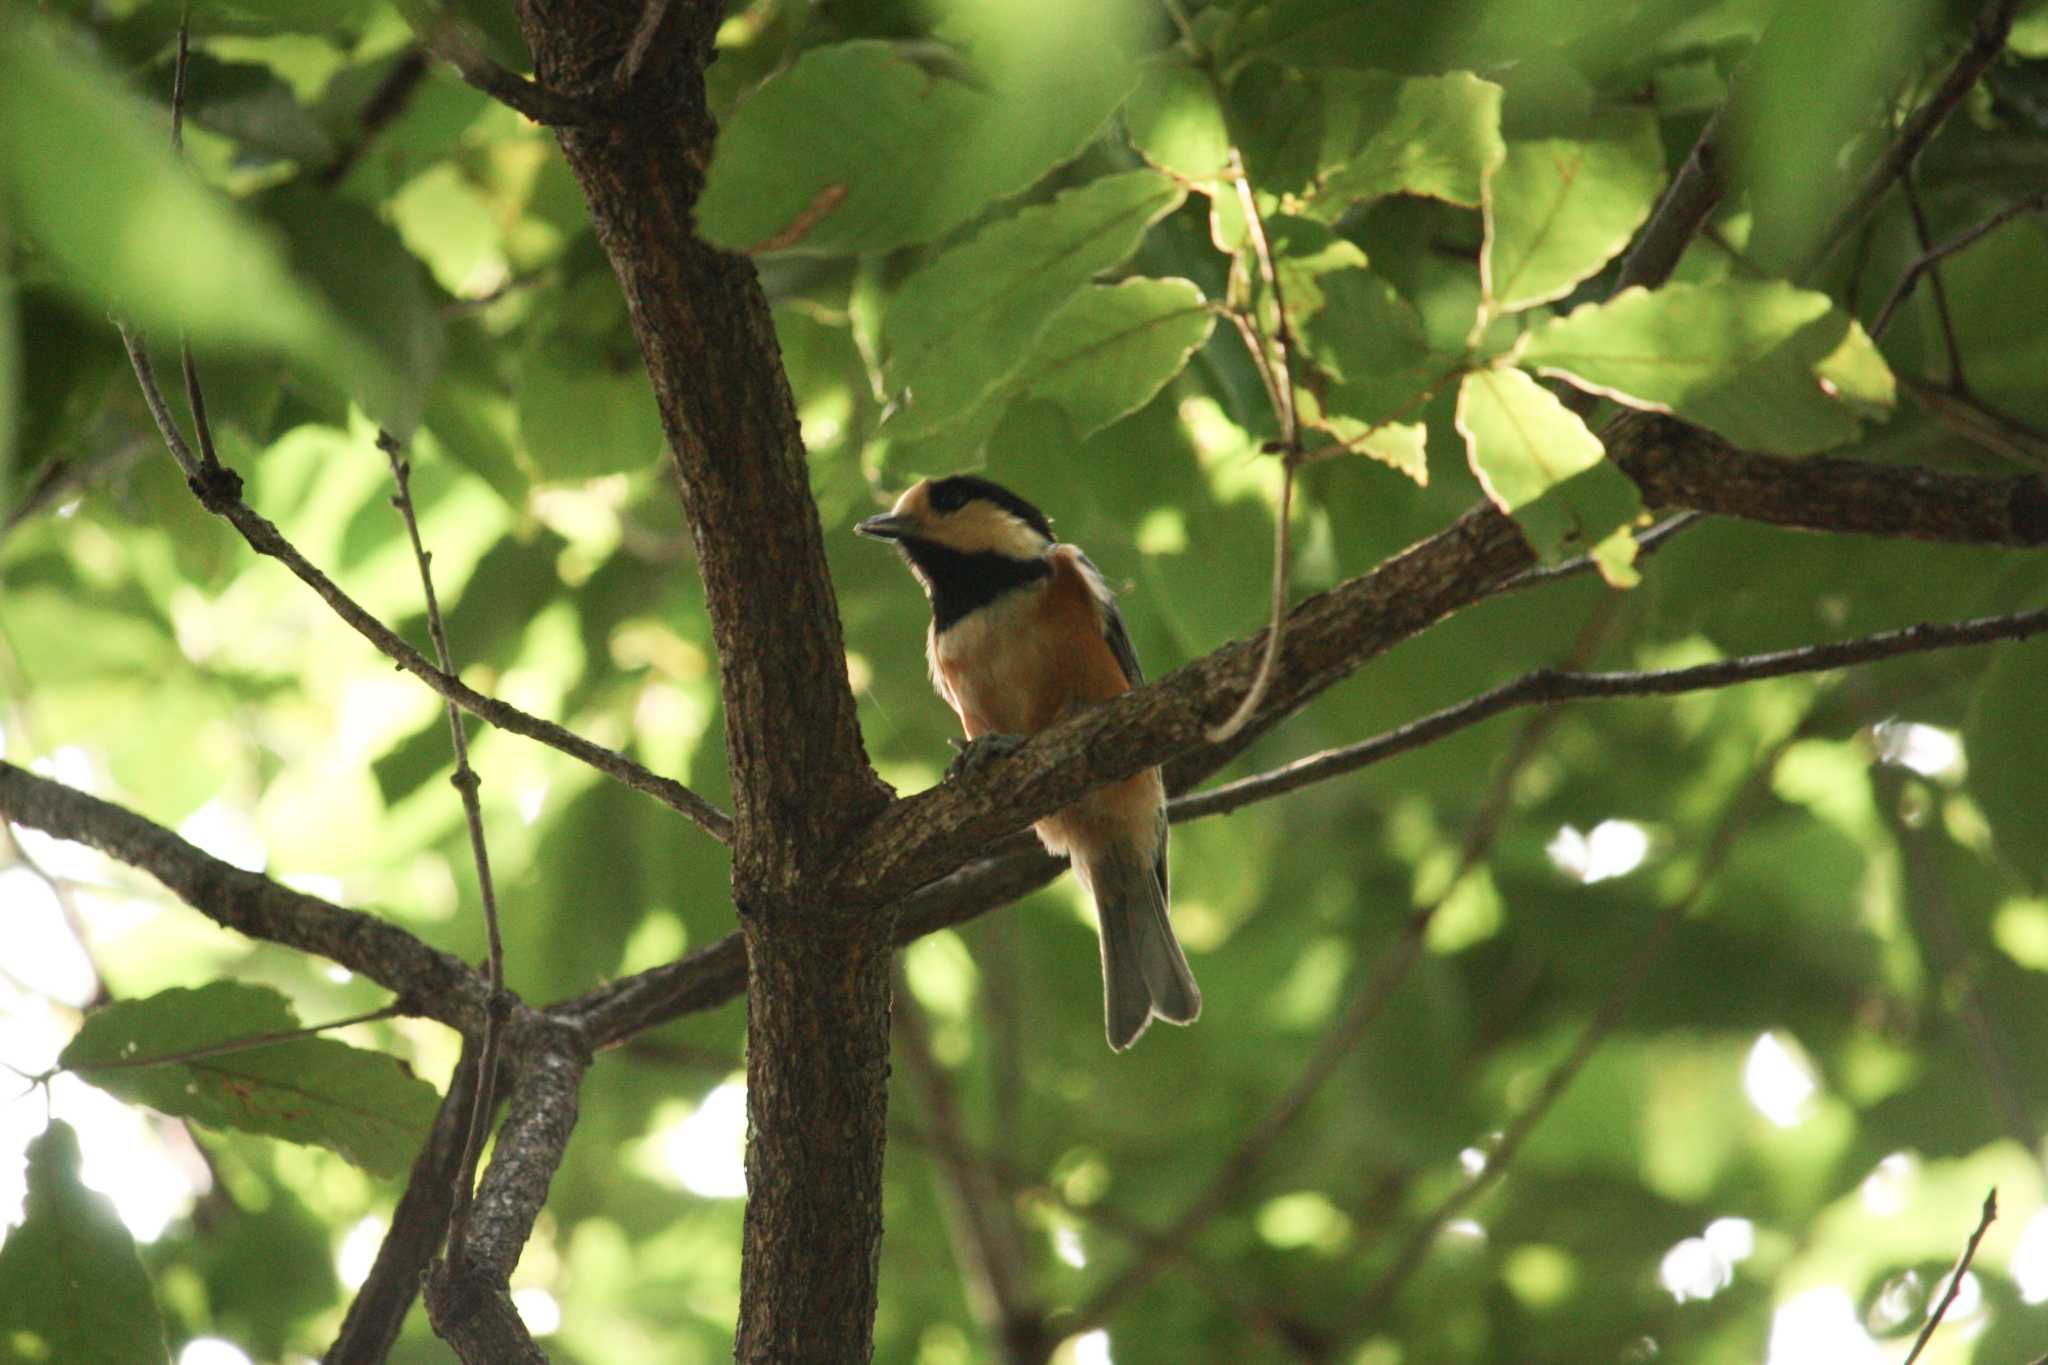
pixel 1776 1154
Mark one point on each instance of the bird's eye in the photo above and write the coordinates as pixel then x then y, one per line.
pixel 948 497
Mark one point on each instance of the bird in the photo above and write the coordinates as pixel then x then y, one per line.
pixel 1024 634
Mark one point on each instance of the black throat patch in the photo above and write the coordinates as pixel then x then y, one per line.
pixel 960 583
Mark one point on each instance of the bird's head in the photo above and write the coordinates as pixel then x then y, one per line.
pixel 963 515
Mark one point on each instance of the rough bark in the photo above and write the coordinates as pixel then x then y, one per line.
pixel 818 1020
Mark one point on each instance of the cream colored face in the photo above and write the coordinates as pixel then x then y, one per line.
pixel 976 528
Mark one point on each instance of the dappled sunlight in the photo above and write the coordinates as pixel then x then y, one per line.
pixel 1613 848
pixel 705 1153
pixel 1779 1080
pixel 1820 1325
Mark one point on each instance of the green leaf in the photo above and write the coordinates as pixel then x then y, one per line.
pixel 1437 136
pixel 1520 439
pixel 1376 365
pixel 969 320
pixel 71 1285
pixel 1175 122
pixel 364 1106
pixel 857 147
pixel 1766 365
pixel 1559 209
pixel 366 275
pixel 1588 513
pixel 139 235
pixel 1401 445
pixel 2007 747
pixel 249 104
pixel 1108 351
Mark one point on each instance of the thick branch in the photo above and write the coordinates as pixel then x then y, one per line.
pixel 417 1227
pixel 715 974
pixel 1331 635
pixel 430 983
pixel 442 34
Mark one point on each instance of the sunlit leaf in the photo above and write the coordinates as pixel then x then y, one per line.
pixel 858 147
pixel 1437 136
pixel 1559 209
pixel 1174 120
pixel 1766 365
pixel 71 1285
pixel 1520 439
pixel 970 319
pixel 364 1106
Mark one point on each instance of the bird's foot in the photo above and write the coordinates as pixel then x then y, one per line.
pixel 977 751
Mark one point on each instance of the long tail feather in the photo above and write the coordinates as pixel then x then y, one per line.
pixel 1144 972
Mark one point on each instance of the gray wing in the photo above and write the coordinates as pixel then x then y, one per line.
pixel 1112 622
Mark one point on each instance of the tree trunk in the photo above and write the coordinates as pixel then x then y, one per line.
pixel 817 1077
pixel 818 984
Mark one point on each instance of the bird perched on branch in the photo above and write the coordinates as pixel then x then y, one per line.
pixel 1024 633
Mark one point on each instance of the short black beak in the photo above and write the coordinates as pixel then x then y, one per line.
pixel 887 527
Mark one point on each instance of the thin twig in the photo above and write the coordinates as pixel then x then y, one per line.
pixel 467 783
pixel 1627 987
pixel 1283 549
pixel 1276 366
pixel 1544 687
pixel 1647 544
pixel 223 498
pixel 441 32
pixel 1941 308
pixel 1987 39
pixel 1932 256
pixel 245 1044
pixel 1981 424
pixel 194 397
pixel 1955 1278
pixel 1681 212
pixel 153 397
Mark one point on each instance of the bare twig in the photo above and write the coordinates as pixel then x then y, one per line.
pixel 419 1224
pixel 1987 39
pixel 1274 356
pixel 431 983
pixel 1545 687
pixel 153 397
pixel 442 33
pixel 1931 256
pixel 220 492
pixel 1941 308
pixel 1283 545
pixel 1627 987
pixel 250 1043
pixel 1981 424
pixel 1680 213
pixel 1955 1277
pixel 385 104
pixel 467 783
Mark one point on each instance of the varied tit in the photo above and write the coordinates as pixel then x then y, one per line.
pixel 1025 633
